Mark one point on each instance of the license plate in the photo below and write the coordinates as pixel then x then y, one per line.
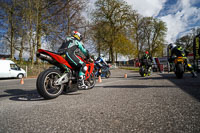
pixel 179 60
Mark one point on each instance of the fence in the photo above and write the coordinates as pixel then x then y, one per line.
pixel 34 70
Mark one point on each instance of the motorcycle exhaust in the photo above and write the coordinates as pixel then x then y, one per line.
pixel 44 57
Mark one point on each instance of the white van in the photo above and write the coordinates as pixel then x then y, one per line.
pixel 8 69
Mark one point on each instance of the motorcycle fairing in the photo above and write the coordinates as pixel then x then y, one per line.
pixel 61 60
pixel 90 67
pixel 58 58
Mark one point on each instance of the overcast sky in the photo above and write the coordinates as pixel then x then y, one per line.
pixel 179 15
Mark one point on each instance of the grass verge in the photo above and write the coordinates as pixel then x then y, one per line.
pixel 136 69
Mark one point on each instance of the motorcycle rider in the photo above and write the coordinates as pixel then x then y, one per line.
pixel 70 47
pixel 100 63
pixel 147 61
pixel 179 51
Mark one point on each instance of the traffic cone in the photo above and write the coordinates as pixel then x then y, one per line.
pixel 22 81
pixel 125 75
pixel 99 79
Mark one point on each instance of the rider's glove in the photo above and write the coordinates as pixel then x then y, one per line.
pixel 61 51
pixel 88 54
pixel 90 60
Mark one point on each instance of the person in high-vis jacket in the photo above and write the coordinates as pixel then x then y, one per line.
pixel 69 47
pixel 179 51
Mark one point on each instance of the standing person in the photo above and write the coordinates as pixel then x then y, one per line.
pixel 69 47
pixel 178 51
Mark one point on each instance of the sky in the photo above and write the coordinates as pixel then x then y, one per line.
pixel 180 16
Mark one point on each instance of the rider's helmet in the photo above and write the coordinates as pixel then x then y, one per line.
pixel 102 55
pixel 77 35
pixel 146 54
pixel 171 46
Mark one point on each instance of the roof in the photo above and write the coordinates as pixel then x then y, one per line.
pixel 6 61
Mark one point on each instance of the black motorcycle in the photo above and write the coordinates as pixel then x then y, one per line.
pixel 145 69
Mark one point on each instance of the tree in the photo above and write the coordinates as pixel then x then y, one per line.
pixel 35 22
pixel 154 32
pixel 186 41
pixel 124 46
pixel 114 14
pixel 136 32
pixel 8 16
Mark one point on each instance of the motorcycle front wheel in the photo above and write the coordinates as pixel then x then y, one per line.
pixel 142 72
pixel 46 84
pixel 91 81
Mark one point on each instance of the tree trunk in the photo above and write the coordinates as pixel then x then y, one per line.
pixel 21 50
pixel 68 22
pixel 33 53
pixel 30 41
pixel 31 47
pixel 12 51
pixel 112 54
pixel 99 49
pixel 116 57
pixel 39 30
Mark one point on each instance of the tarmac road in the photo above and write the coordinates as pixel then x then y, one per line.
pixel 158 104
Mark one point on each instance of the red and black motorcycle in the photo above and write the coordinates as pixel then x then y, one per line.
pixel 62 77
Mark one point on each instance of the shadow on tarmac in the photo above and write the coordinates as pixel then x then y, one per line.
pixel 187 83
pixel 133 86
pixel 32 95
pixel 1 79
pixel 21 95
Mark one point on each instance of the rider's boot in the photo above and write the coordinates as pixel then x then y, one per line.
pixel 81 84
pixel 194 75
pixel 149 71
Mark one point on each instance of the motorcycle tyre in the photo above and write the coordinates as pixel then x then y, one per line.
pixel 92 76
pixel 142 73
pixel 108 73
pixel 40 84
pixel 179 71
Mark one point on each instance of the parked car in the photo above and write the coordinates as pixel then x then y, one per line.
pixel 8 69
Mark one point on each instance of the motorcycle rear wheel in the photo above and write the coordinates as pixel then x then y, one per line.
pixel 179 71
pixel 46 84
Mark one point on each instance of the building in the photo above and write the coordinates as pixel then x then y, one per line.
pixel 3 56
